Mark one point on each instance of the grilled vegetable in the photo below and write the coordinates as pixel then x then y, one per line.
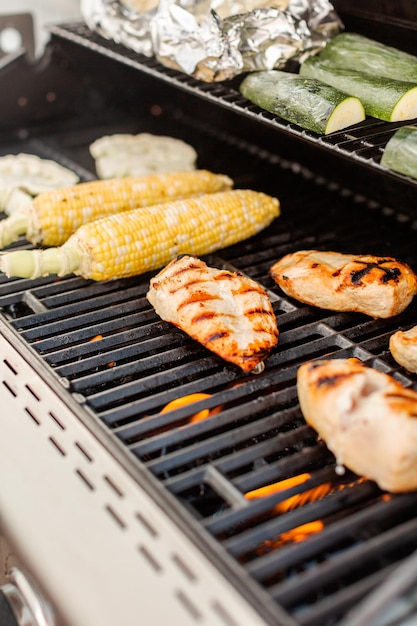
pixel 366 418
pixel 130 243
pixel 228 313
pixel 23 176
pixel 356 52
pixel 53 216
pixel 384 98
pixel 377 286
pixel 123 154
pixel 307 102
pixel 400 154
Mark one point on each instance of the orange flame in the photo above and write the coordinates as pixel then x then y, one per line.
pixel 193 397
pixel 295 535
pixel 300 533
pixel 96 338
pixel 268 490
pixel 294 501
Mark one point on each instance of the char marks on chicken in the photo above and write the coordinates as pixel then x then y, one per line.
pixel 380 287
pixel 227 312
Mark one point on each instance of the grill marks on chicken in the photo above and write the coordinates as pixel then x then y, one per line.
pixel 387 273
pixel 377 286
pixel 366 418
pixel 228 313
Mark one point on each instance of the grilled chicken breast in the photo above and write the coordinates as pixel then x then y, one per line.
pixel 403 347
pixel 377 286
pixel 228 313
pixel 366 418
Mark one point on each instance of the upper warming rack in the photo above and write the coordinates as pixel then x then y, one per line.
pixel 352 155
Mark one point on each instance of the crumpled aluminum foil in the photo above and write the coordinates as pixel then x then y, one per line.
pixel 216 40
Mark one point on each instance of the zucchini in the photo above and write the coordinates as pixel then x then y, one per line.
pixel 400 154
pixel 309 103
pixel 356 52
pixel 384 98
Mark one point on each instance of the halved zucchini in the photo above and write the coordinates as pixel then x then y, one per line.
pixel 383 98
pixel 306 102
pixel 400 154
pixel 356 52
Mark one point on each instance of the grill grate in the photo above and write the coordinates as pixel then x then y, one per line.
pixel 125 364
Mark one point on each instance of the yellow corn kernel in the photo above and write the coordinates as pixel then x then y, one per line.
pixel 137 241
pixel 54 215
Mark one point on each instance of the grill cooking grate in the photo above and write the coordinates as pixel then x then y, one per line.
pixel 124 364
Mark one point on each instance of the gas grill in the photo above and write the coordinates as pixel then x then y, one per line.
pixel 114 512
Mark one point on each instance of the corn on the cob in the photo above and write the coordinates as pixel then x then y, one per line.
pixel 54 215
pixel 137 241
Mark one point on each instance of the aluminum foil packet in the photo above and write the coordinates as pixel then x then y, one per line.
pixel 216 40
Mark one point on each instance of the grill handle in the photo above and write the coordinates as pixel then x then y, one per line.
pixel 21 604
